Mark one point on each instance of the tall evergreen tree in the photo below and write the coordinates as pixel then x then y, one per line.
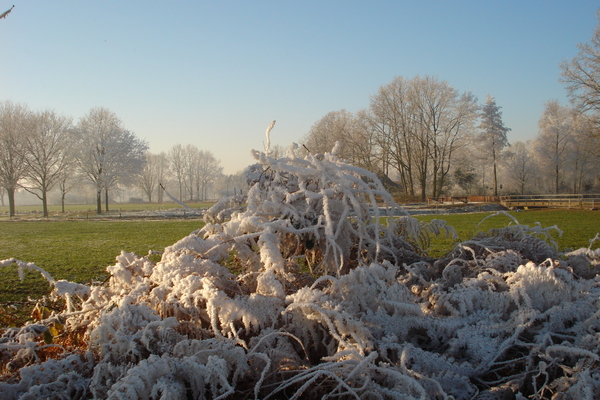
pixel 493 134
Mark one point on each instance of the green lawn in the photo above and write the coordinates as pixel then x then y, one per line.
pixel 578 226
pixel 77 250
pixel 85 210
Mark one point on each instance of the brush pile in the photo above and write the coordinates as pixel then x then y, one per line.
pixel 304 294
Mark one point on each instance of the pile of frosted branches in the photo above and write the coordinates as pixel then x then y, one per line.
pixel 329 299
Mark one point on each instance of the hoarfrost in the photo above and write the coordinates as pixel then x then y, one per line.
pixel 328 302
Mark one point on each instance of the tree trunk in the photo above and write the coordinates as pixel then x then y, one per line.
pixel 483 189
pixel 495 173
pixel 45 203
pixel 556 172
pixel 11 201
pixel 106 199
pixel 423 187
pixel 495 180
pixel 62 202
pixel 556 164
pixel 99 201
pixel 434 182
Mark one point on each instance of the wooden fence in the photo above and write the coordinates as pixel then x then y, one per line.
pixel 579 201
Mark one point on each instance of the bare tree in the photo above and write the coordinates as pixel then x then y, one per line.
pixel 123 169
pixel 176 162
pixel 334 127
pixel 520 166
pixel 162 171
pixel 392 116
pixel 232 184
pixel 15 123
pixel 420 125
pixel 554 140
pixel 106 152
pixel 195 170
pixel 364 151
pixel 581 75
pixel 493 135
pixel 152 175
pixel 354 132
pixel 47 150
pixel 148 179
pixel 450 117
pixel 191 155
pixel 209 169
pixel 583 158
pixel 67 180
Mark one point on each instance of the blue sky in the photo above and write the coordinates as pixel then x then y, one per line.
pixel 216 73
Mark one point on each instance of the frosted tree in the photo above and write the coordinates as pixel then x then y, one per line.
pixel 15 124
pixel 153 174
pixel 124 168
pixel 334 126
pixel 445 119
pixel 365 152
pixel 48 153
pixel 354 131
pixel 421 124
pixel 176 164
pixel 520 166
pixel 455 130
pixel 396 131
pixel 465 173
pixel 191 155
pixel 554 140
pixel 67 180
pixel 232 184
pixel 106 152
pixel 162 172
pixel 208 170
pixel 584 157
pixel 493 135
pixel 148 178
pixel 581 75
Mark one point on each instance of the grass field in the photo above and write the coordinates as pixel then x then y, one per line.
pixel 578 226
pixel 85 210
pixel 79 250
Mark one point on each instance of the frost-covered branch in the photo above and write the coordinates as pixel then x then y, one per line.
pixel 317 285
